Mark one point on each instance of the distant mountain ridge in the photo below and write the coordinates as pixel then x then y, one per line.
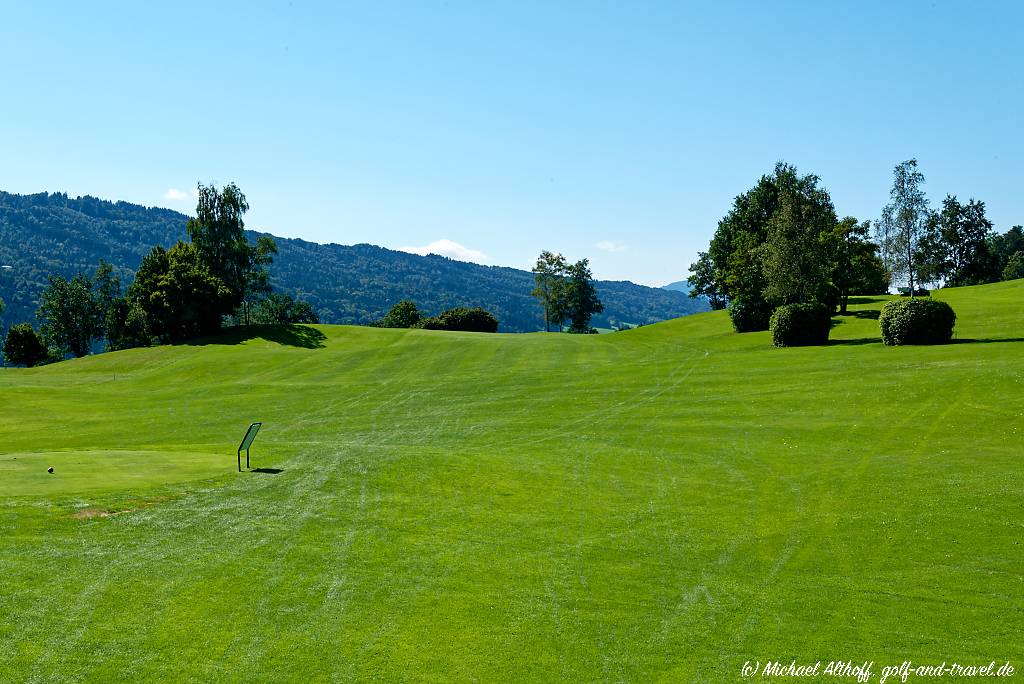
pixel 678 286
pixel 50 233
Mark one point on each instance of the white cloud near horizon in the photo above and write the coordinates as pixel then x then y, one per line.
pixel 175 194
pixel 610 246
pixel 450 249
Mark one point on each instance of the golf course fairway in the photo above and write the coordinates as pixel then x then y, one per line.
pixel 665 503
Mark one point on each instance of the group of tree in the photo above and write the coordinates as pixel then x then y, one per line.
pixel 782 243
pixel 75 313
pixel 405 314
pixel 950 247
pixel 179 293
pixel 566 292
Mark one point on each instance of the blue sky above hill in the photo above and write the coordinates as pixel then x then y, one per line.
pixel 617 131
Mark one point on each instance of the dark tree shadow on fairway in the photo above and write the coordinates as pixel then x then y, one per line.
pixel 856 341
pixel 985 340
pixel 267 471
pixel 291 335
pixel 872 314
pixel 866 300
pixel 962 340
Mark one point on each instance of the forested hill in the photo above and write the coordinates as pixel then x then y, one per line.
pixel 53 234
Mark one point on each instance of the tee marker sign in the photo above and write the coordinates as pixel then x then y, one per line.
pixel 250 435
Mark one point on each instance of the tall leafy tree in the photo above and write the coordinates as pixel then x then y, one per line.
pixel 549 275
pixel 903 226
pixel 768 248
pixel 71 315
pixel 181 297
pixel 796 255
pixel 956 244
pixel 737 248
pixel 218 234
pixel 119 320
pixel 580 300
pixel 146 290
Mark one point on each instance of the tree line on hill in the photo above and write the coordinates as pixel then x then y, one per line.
pixel 191 289
pixel 782 243
pixel 180 293
pixel 53 234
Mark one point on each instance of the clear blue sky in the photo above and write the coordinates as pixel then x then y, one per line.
pixel 618 131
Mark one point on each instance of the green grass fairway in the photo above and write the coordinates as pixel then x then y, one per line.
pixel 98 470
pixel 664 503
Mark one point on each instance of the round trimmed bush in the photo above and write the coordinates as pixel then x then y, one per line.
pixel 749 315
pixel 917 321
pixel 799 325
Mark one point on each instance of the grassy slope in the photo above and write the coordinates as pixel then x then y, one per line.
pixel 660 503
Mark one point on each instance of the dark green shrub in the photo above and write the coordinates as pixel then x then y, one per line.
pixel 798 325
pixel 23 346
pixel 749 315
pixel 917 321
pixel 828 294
pixel 461 318
pixel 469 320
pixel 430 323
pixel 404 314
